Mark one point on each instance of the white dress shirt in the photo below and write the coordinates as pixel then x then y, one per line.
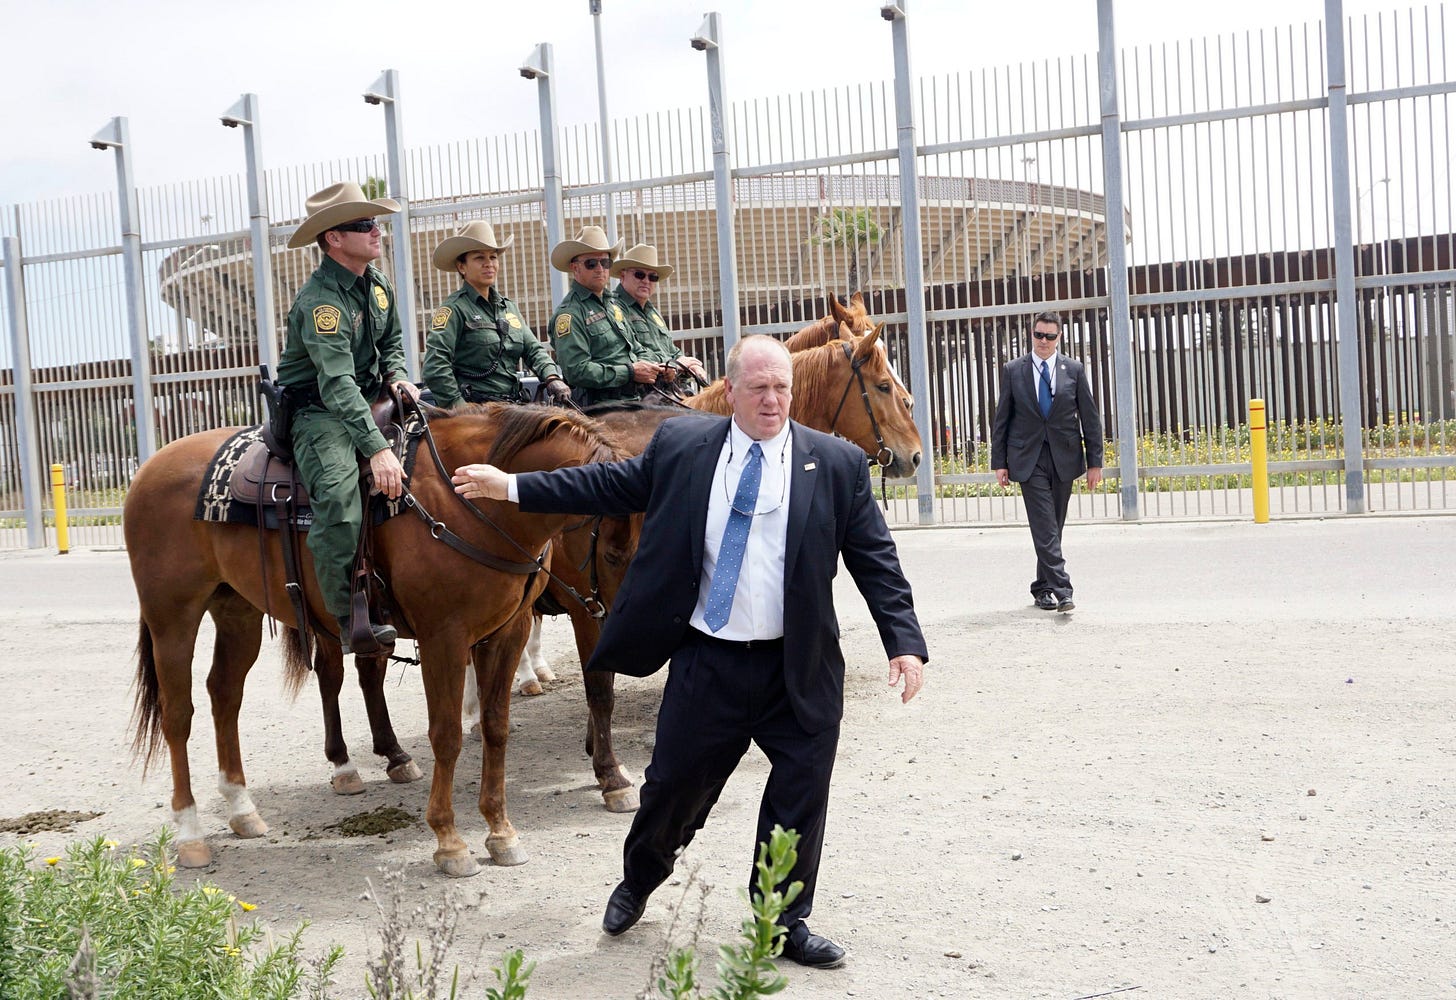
pixel 758 599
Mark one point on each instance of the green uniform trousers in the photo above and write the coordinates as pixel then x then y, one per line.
pixel 329 467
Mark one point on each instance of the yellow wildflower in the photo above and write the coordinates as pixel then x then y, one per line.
pixel 138 862
pixel 210 890
pixel 111 845
pixel 52 861
pixel 247 907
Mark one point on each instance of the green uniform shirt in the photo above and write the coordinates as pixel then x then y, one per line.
pixel 477 342
pixel 344 339
pixel 648 328
pixel 594 345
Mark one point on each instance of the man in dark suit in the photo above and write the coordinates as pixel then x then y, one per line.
pixel 740 514
pixel 1047 433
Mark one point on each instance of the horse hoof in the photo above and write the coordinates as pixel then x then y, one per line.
pixel 347 783
pixel 545 675
pixel 248 825
pixel 506 853
pixel 531 688
pixel 475 732
pixel 456 864
pixel 621 800
pixel 194 854
pixel 402 774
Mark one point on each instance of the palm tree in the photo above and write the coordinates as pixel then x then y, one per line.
pixel 852 229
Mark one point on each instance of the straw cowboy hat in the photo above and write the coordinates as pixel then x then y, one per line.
pixel 477 235
pixel 591 239
pixel 342 202
pixel 643 255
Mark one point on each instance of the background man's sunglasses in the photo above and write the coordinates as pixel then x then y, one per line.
pixel 1045 336
pixel 358 226
pixel 644 276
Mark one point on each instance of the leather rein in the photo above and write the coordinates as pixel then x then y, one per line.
pixel 883 455
pixel 440 532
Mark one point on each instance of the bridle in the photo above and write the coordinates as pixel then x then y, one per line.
pixel 884 455
pixel 531 564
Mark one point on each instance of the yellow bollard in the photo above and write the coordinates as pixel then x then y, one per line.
pixel 1259 449
pixel 58 492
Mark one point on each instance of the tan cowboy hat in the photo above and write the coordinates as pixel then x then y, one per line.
pixel 477 235
pixel 591 239
pixel 643 255
pixel 342 202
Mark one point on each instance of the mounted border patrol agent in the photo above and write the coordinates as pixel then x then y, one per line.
pixel 477 339
pixel 589 331
pixel 343 347
pixel 640 275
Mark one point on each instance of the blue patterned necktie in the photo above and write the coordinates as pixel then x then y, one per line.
pixel 1044 391
pixel 735 541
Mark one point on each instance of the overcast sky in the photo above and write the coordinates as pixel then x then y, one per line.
pixel 173 67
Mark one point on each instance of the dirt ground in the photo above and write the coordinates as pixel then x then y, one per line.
pixel 1228 773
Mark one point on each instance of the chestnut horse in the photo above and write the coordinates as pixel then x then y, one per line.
pixel 826 328
pixel 446 600
pixel 845 386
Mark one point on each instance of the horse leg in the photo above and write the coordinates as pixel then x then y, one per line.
pixel 528 675
pixel 444 690
pixel 239 636
pixel 173 634
pixel 401 767
pixel 328 668
pixel 619 794
pixel 494 663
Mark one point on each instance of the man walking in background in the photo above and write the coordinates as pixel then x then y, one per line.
pixel 1047 432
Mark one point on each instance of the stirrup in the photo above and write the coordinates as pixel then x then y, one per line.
pixel 365 643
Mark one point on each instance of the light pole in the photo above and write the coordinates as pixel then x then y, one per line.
pixel 244 115
pixel 539 66
pixel 709 39
pixel 385 91
pixel 596 13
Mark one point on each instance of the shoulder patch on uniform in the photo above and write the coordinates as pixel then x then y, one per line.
pixel 380 298
pixel 326 319
pixel 563 324
pixel 441 318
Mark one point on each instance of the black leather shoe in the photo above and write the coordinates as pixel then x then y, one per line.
pixel 1066 604
pixel 1046 600
pixel 812 950
pixel 623 910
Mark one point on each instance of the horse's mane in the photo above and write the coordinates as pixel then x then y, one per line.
pixel 520 425
pixel 812 369
pixel 816 334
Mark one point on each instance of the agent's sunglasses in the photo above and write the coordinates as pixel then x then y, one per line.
pixel 1045 336
pixel 645 276
pixel 592 263
pixel 358 226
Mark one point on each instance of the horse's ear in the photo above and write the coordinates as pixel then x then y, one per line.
pixel 867 342
pixel 845 333
pixel 856 301
pixel 838 311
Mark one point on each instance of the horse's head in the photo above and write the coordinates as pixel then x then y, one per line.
pixel 826 328
pixel 852 315
pixel 880 422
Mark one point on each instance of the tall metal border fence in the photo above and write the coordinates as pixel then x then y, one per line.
pixel 1263 214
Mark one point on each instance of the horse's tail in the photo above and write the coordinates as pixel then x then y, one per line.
pixel 147 711
pixel 296 667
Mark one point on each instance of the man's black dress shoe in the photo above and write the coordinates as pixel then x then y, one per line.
pixel 1066 604
pixel 1046 600
pixel 812 950
pixel 623 910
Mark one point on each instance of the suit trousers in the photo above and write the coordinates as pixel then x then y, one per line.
pixel 719 697
pixel 1046 498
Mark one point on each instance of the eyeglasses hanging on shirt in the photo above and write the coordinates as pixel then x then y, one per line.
pixel 783 481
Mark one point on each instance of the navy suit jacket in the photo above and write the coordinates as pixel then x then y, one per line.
pixel 831 513
pixel 1074 428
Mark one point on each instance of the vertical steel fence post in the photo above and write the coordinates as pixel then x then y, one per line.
pixel 709 39
pixel 539 66
pixel 1118 314
pixel 116 135
pixel 914 261
pixel 245 114
pixel 1346 323
pixel 385 91
pixel 25 418
pixel 596 13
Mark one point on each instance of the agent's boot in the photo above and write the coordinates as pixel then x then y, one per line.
pixel 369 639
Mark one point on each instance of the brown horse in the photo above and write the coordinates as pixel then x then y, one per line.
pixel 448 602
pixel 826 328
pixel 846 387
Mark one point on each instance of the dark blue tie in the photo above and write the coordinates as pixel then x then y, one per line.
pixel 735 541
pixel 1044 391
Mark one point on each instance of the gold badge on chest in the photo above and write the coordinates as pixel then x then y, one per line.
pixel 380 299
